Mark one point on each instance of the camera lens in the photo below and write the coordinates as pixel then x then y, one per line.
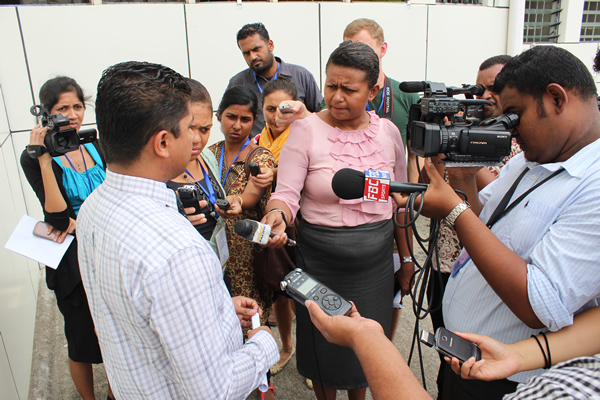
pixel 444 338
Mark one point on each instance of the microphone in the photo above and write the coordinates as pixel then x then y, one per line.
pixel 413 86
pixel 349 184
pixel 256 232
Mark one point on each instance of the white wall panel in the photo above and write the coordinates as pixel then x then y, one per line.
pixel 100 36
pixel 215 56
pixel 17 280
pixel 457 49
pixel 404 27
pixel 13 71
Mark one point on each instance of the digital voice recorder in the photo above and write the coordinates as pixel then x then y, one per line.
pixel 301 287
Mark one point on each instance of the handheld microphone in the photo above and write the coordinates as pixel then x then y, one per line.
pixel 349 184
pixel 256 232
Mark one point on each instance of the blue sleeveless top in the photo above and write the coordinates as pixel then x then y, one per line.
pixel 76 183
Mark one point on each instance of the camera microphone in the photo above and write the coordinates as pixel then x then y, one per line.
pixel 349 184
pixel 413 86
pixel 256 232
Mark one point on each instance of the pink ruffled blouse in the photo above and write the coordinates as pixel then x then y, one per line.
pixel 315 151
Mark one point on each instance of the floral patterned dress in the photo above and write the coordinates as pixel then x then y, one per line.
pixel 240 266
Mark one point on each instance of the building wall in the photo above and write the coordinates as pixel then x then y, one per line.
pixel 443 43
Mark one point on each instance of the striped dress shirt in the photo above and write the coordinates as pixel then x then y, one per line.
pixel 166 324
pixel 556 230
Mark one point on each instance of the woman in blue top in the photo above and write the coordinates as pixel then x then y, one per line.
pixel 62 184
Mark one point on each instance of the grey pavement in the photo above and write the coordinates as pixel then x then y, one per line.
pixel 50 377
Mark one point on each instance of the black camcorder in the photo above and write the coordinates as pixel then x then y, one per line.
pixel 435 126
pixel 58 142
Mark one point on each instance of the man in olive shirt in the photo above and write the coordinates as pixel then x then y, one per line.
pixel 390 102
pixel 257 49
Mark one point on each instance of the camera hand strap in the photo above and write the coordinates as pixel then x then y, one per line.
pixel 502 209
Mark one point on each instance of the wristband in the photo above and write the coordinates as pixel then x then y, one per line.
pixel 405 260
pixel 282 214
pixel 455 213
pixel 35 150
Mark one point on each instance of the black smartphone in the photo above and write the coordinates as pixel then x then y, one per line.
pixel 188 195
pixel 254 168
pixel 223 204
pixel 300 286
pixel 450 344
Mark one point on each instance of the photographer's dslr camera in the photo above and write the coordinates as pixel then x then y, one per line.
pixel 58 142
pixel 464 139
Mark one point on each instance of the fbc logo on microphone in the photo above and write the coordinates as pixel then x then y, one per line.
pixel 377 186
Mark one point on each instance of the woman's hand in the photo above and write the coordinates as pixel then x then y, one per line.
pixel 275 221
pixel 299 111
pixel 403 277
pixel 264 179
pixel 59 236
pixel 498 361
pixel 236 207
pixel 197 219
pixel 37 135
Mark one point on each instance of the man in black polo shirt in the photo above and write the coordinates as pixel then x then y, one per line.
pixel 257 49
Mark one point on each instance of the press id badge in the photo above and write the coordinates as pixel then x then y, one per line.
pixel 221 242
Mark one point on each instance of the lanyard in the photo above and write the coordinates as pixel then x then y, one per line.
pixel 84 165
pixel 386 98
pixel 501 209
pixel 233 162
pixel 210 193
pixel 274 77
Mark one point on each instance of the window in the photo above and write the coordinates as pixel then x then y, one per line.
pixel 542 18
pixel 590 24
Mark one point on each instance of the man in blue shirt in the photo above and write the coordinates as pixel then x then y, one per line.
pixel 257 48
pixel 532 270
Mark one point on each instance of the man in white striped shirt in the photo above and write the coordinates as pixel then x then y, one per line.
pixel 166 324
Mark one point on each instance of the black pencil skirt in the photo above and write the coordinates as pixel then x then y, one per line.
pixel 356 263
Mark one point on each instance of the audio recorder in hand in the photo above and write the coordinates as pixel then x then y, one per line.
pixel 301 287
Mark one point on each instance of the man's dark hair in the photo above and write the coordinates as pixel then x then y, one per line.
pixel 199 93
pixel 253 29
pixel 280 84
pixel 533 70
pixel 135 101
pixel 597 61
pixel 490 62
pixel 359 56
pixel 53 88
pixel 238 95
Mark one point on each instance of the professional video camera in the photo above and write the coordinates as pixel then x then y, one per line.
pixel 58 142
pixel 465 140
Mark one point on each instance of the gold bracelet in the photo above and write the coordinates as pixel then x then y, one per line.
pixel 241 201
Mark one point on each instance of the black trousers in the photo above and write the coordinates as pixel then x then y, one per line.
pixel 456 388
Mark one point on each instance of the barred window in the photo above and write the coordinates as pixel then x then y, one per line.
pixel 542 18
pixel 590 23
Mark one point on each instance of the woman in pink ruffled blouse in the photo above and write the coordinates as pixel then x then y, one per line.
pixel 346 244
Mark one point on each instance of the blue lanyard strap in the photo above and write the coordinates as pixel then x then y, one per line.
pixel 274 77
pixel 233 162
pixel 210 193
pixel 84 165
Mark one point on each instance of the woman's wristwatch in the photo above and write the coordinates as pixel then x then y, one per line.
pixel 406 260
